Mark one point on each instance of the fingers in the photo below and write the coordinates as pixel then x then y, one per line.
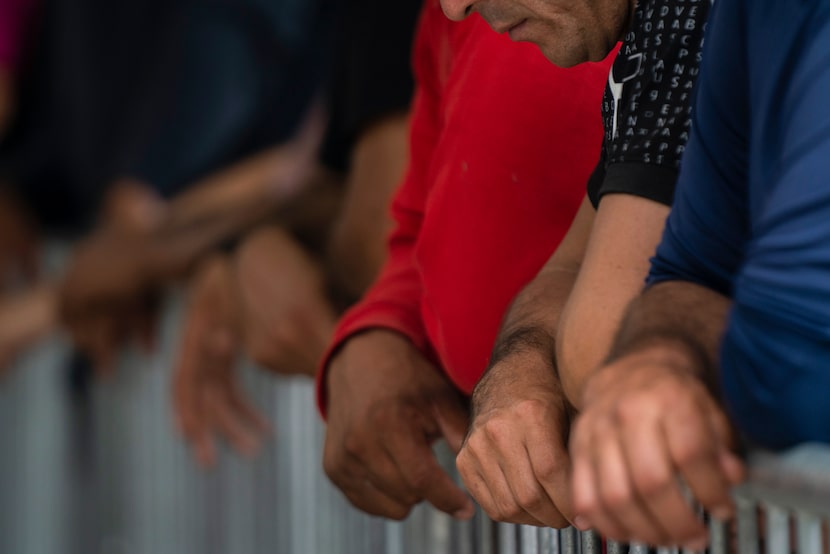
pixel 503 458
pixel 207 397
pixel 228 423
pixel 619 498
pixel 588 504
pixel 696 454
pixel 414 457
pixel 366 496
pixel 633 455
pixel 368 478
pixel 486 481
pixel 656 484
pixel 453 420
pixel 246 411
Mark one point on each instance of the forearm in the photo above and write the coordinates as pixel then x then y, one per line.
pixel 206 219
pixel 623 237
pixel 527 340
pixel 680 314
pixel 531 323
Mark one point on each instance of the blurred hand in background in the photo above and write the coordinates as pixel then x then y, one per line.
pixel 208 401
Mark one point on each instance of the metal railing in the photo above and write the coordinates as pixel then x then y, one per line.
pixel 107 474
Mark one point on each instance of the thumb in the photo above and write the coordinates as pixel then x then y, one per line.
pixel 453 419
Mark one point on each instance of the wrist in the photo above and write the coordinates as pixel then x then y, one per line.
pixel 521 375
pixel 673 349
pixel 375 343
pixel 658 356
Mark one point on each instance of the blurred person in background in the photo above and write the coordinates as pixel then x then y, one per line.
pixel 276 296
pixel 120 109
pixel 501 145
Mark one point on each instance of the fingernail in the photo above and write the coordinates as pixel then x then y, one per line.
pixel 581 523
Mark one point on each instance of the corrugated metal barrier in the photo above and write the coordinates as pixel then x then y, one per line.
pixel 106 474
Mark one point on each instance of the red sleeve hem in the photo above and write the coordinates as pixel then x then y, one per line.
pixel 363 318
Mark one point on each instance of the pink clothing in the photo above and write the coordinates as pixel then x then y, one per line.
pixel 14 19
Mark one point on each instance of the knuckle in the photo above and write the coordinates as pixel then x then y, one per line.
pixel 651 484
pixel 690 453
pixel 497 431
pixel 529 410
pixel 530 499
pixel 464 463
pixel 548 468
pixel 353 445
pixel 382 413
pixel 630 410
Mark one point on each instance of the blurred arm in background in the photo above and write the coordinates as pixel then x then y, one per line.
pixel 293 279
pixel 117 273
pixel 286 296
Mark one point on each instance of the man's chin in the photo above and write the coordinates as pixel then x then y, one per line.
pixel 570 57
pixel 563 58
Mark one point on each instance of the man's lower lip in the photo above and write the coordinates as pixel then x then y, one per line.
pixel 515 32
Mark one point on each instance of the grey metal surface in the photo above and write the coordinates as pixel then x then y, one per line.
pixel 747 527
pixel 569 541
pixel 808 532
pixel 529 539
pixel 718 537
pixel 616 548
pixel 591 543
pixel 777 529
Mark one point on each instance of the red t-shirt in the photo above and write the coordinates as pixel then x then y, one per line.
pixel 502 143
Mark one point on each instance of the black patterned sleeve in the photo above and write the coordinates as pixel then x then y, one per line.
pixel 648 101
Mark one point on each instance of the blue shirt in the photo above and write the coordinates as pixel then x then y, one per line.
pixel 751 217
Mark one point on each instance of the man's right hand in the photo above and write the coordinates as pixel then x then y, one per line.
pixel 387 405
pixel 515 459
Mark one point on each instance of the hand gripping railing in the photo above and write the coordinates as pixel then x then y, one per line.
pixel 112 477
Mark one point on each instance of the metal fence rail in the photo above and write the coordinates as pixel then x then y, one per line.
pixel 107 475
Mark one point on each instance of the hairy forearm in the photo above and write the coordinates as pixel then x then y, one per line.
pixel 525 350
pixel 527 339
pixel 531 322
pixel 678 313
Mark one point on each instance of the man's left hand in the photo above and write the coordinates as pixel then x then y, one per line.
pixel 649 425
